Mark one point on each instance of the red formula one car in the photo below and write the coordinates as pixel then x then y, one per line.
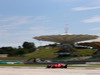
pixel 57 66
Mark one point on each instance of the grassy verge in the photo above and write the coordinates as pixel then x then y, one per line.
pixel 71 65
pixel 90 65
pixel 22 65
pixel 13 58
pixel 95 64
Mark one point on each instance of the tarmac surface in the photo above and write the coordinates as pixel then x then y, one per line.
pixel 44 71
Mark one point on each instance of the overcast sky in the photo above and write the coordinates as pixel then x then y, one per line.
pixel 21 20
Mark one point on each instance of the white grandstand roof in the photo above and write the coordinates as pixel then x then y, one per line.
pixel 66 38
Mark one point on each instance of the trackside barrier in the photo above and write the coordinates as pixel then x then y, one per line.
pixel 52 63
pixel 71 68
pixel 9 62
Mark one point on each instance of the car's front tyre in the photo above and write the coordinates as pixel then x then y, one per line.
pixel 65 66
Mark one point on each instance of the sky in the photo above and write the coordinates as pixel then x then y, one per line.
pixel 21 20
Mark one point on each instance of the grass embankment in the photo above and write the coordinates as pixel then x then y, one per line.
pixel 84 52
pixel 42 53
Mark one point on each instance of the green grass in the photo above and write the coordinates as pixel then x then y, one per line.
pixel 22 65
pixel 69 65
pixel 63 58
pixel 13 58
pixel 95 64
pixel 89 65
pixel 44 53
pixel 82 66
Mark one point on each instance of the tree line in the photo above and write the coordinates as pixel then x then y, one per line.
pixel 27 47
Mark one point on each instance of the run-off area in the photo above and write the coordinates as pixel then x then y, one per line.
pixel 11 71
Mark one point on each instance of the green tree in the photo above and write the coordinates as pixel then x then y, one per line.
pixel 29 46
pixel 20 52
pixel 8 50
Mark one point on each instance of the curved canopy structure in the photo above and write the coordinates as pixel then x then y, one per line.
pixel 66 39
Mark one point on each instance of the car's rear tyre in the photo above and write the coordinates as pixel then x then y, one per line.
pixel 48 66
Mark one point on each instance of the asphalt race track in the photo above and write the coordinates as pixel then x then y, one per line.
pixel 44 71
